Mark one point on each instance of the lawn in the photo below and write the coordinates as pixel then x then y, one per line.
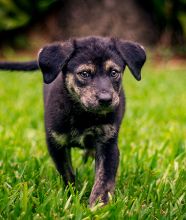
pixel 151 180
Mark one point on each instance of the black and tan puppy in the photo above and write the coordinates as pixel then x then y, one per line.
pixel 85 102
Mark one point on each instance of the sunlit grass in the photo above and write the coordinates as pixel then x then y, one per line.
pixel 151 181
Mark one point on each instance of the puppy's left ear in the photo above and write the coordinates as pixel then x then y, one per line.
pixel 52 58
pixel 133 55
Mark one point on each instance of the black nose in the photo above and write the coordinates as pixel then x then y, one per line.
pixel 105 99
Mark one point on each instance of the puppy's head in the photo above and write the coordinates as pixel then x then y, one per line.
pixel 92 69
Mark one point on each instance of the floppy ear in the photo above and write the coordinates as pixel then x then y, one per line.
pixel 133 54
pixel 52 58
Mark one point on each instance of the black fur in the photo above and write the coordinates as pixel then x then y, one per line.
pixel 84 107
pixel 53 58
pixel 130 53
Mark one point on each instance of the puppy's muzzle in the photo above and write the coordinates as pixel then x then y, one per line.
pixel 105 99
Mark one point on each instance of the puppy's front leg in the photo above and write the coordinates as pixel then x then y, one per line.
pixel 62 158
pixel 106 162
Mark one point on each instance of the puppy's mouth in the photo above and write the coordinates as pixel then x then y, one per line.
pixel 104 109
pixel 98 107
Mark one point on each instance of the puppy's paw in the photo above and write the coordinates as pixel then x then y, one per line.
pixel 99 199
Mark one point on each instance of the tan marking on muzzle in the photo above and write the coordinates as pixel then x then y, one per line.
pixel 115 99
pixel 86 95
pixel 71 86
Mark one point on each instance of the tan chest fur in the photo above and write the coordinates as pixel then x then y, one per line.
pixel 101 134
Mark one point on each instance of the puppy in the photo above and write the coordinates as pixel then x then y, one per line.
pixel 85 102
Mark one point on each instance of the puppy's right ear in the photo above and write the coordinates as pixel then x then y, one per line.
pixel 52 58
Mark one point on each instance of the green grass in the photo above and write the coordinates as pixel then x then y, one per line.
pixel 151 180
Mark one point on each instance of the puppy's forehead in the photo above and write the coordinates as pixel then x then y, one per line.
pixel 96 52
pixel 93 42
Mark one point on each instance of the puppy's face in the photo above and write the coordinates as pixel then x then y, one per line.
pixel 92 68
pixel 94 77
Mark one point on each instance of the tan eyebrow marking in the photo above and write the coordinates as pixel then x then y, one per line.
pixel 111 64
pixel 86 67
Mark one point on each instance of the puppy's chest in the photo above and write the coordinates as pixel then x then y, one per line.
pixel 85 138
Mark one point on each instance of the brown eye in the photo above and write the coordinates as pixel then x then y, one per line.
pixel 114 73
pixel 84 74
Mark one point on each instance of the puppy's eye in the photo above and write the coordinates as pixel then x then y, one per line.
pixel 84 74
pixel 114 73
